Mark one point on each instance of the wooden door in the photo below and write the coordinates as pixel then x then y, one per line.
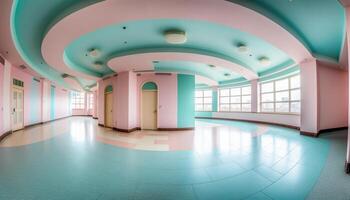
pixel 109 110
pixel 149 110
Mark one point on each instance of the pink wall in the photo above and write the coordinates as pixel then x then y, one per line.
pixel 167 98
pixel 332 97
pixel 62 103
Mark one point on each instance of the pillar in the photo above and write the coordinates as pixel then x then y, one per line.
pixel 185 101
pixel 254 95
pixel 309 101
pixel 7 83
pixel 347 160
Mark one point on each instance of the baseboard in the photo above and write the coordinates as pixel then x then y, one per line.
pixel 332 129
pixel 175 129
pixel 81 115
pixel 252 121
pixel 3 136
pixel 56 119
pixel 101 125
pixel 127 130
pixel 347 167
pixel 31 125
pixel 310 134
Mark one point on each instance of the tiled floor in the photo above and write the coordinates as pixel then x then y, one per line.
pixel 75 159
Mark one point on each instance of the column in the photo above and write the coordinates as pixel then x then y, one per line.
pixel 347 161
pixel 254 95
pixel 7 83
pixel 309 101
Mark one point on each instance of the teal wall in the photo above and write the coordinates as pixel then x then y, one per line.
pixel 203 114
pixel 185 100
pixel 149 86
pixel 52 110
pixel 34 102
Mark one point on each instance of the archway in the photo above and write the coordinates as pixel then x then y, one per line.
pixel 149 106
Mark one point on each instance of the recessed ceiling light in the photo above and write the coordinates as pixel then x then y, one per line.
pixel 175 36
pixel 265 61
pixel 98 64
pixel 212 66
pixel 242 48
pixel 156 61
pixel 227 74
pixel 94 52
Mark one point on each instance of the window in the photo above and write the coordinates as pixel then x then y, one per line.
pixel 78 100
pixel 91 101
pixel 204 100
pixel 235 99
pixel 282 96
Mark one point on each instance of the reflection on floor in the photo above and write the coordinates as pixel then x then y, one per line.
pixel 73 158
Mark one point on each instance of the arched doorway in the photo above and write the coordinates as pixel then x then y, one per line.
pixel 149 106
pixel 109 106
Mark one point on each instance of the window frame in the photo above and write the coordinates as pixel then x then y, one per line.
pixel 274 91
pixel 241 95
pixel 203 102
pixel 78 101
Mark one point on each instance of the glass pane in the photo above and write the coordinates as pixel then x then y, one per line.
pixel 295 95
pixel 267 97
pixel 225 107
pixel 246 99
pixel 207 107
pixel 282 85
pixel 199 107
pixel 267 87
pixel 295 107
pixel 235 91
pixel 207 100
pixel 246 90
pixel 246 107
pixel 207 93
pixel 199 100
pixel 282 107
pixel 199 93
pixel 282 96
pixel 225 92
pixel 235 107
pixel 236 99
pixel 267 107
pixel 225 100
pixel 295 82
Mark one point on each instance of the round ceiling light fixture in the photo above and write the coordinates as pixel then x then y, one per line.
pixel 241 48
pixel 265 61
pixel 174 36
pixel 93 52
pixel 98 64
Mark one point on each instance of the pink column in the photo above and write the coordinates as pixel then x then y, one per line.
pixel 254 96
pixel 309 101
pixel 45 102
pixel 7 97
pixel 347 162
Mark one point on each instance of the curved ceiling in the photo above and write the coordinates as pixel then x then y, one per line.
pixel 145 36
pixel 320 24
pixel 53 36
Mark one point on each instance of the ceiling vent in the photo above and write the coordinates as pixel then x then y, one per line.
pixel 66 76
pixel 165 74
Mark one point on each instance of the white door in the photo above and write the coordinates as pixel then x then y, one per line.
pixel 17 109
pixel 149 110
pixel 109 110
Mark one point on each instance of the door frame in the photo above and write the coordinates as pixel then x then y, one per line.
pixel 104 109
pixel 141 102
pixel 14 87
